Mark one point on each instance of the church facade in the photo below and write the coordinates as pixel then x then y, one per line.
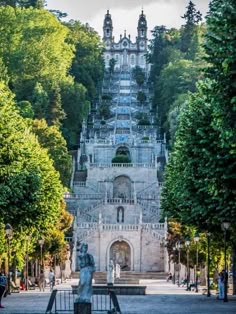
pixel 127 54
pixel 116 186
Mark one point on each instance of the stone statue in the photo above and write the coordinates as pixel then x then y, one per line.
pixel 110 273
pixel 87 268
pixel 118 271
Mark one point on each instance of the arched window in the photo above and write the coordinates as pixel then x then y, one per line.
pixel 132 59
pixel 108 31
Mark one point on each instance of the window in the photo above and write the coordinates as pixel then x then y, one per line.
pixel 132 60
pixel 108 31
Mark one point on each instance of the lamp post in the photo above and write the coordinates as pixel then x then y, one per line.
pixel 173 278
pixel 179 246
pixel 187 244
pixel 208 264
pixel 41 243
pixel 225 226
pixel 27 262
pixel 8 231
pixel 196 240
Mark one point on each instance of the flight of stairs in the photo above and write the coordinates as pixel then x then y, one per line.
pixel 126 277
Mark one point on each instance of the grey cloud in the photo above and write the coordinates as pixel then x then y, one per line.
pixel 86 10
pixel 89 8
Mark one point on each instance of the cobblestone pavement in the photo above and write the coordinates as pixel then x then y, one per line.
pixel 161 298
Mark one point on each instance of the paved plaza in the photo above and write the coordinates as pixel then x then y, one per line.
pixel 161 298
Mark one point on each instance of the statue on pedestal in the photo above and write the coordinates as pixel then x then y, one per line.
pixel 118 271
pixel 87 268
pixel 110 273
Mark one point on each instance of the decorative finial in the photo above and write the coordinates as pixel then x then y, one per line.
pixel 125 33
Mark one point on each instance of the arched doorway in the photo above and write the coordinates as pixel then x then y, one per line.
pixel 122 187
pixel 120 253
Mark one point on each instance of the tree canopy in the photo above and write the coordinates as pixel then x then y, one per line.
pixel 200 176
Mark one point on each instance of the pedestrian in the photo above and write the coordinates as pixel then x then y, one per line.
pixel 3 287
pixel 220 284
pixel 51 278
pixel 41 281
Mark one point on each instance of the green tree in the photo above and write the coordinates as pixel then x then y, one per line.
pixel 201 172
pixel 34 50
pixel 112 63
pixel 88 65
pixel 141 97
pixel 76 106
pixel 30 189
pixel 51 138
pixel 138 75
pixel 40 101
pixel 39 4
pixel 192 18
pixel 55 114
pixel 25 109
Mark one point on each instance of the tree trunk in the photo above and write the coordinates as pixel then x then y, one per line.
pixel 234 268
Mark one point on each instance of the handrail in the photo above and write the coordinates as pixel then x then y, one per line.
pixel 122 165
pixel 103 300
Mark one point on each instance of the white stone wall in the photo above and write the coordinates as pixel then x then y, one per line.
pixel 148 175
pixel 145 251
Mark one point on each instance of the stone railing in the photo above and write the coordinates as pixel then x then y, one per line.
pixel 83 196
pixel 87 225
pixel 121 165
pixel 119 227
pixel 150 226
pixel 79 183
pixel 119 201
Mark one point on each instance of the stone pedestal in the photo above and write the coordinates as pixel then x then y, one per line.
pixel 82 308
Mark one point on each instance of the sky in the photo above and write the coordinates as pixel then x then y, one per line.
pixel 125 13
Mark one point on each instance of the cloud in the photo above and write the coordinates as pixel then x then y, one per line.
pixel 89 8
pixel 125 13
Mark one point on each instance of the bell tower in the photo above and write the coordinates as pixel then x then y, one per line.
pixel 107 27
pixel 142 32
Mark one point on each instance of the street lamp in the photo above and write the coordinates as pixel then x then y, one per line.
pixel 225 226
pixel 27 262
pixel 174 250
pixel 41 243
pixel 8 231
pixel 187 244
pixel 179 246
pixel 208 234
pixel 196 240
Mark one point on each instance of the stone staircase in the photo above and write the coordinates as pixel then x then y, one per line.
pixel 126 277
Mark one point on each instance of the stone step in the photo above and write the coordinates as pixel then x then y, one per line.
pixel 126 275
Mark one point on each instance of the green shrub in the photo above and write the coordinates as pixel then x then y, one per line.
pixel 121 159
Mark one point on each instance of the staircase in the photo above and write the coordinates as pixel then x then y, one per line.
pixel 126 277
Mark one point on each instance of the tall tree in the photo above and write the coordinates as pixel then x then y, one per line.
pixel 30 189
pixel 88 65
pixel 192 18
pixel 202 170
pixel 50 138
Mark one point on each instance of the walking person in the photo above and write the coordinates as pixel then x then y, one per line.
pixel 51 278
pixel 41 281
pixel 220 282
pixel 3 287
